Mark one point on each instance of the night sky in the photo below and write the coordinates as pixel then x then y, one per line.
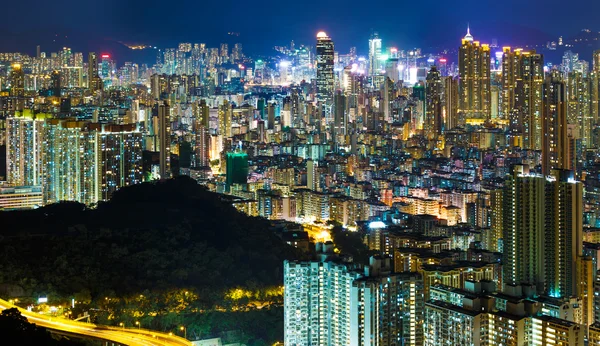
pixel 263 24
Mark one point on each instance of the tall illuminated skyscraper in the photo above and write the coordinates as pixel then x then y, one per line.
pixel 563 234
pixel 93 76
pixel 434 89
pixel 555 143
pixel 163 112
pixel 386 308
pixel 523 229
pixel 331 302
pixel 202 135
pixel 474 73
pixel 225 119
pixel 325 75
pixel 24 138
pixel 87 162
pixel 542 231
pixel 527 96
pixel 578 105
pixel 451 100
pixel 118 157
pixel 374 54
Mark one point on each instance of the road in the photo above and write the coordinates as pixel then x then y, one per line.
pixel 123 336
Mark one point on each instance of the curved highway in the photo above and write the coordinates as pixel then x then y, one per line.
pixel 123 336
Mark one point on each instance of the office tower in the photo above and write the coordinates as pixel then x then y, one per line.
pixel 325 75
pixel 237 168
pixel 374 55
pixel 24 138
pixel 433 125
pixel 106 71
pixel 387 308
pixel 555 144
pixel 474 73
pixel 450 105
pixel 163 112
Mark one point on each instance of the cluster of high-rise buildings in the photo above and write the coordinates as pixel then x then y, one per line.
pixel 474 176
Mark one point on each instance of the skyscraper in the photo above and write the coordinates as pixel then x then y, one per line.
pixel 118 156
pixel 451 100
pixel 525 101
pixel 434 87
pixel 523 229
pixel 24 138
pixel 563 234
pixel 555 143
pixel 93 76
pixel 202 134
pixel 387 308
pixel 340 117
pixel 474 73
pixel 87 162
pixel 374 54
pixel 163 112
pixel 542 231
pixel 17 86
pixel 329 301
pixel 325 76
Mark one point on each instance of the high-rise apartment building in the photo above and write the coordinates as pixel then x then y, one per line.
pixel 434 88
pixel 521 96
pixel 163 112
pixel 24 138
pixel 88 162
pixel 555 141
pixel 331 302
pixel 474 78
pixel 542 231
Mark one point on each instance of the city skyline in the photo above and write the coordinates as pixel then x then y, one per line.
pixel 89 27
pixel 346 186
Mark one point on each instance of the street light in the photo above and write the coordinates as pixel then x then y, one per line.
pixel 122 325
pixel 184 329
pixel 137 323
